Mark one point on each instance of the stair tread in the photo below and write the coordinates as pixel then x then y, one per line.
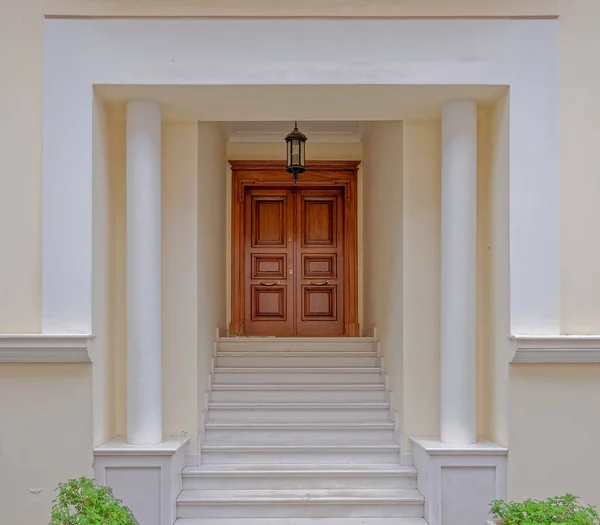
pixel 300 426
pixel 295 405
pixel 299 386
pixel 297 369
pixel 233 496
pixel 311 446
pixel 301 521
pixel 297 353
pixel 300 468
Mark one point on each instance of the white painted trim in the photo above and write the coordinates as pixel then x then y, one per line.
pixel 434 447
pixel 120 447
pixel 471 484
pixel 299 339
pixel 42 348
pixel 557 349
pixel 278 137
pixel 521 54
pixel 132 470
pixel 274 138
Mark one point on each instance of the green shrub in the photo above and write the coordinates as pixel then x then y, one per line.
pixel 563 510
pixel 82 502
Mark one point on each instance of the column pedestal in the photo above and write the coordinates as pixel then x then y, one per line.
pixel 459 481
pixel 146 477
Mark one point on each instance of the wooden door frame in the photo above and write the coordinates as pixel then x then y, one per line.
pixel 327 174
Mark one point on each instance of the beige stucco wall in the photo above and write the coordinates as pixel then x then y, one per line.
pixel 382 257
pixel 579 161
pixel 550 412
pixel 45 436
pixel 421 275
pixel 554 415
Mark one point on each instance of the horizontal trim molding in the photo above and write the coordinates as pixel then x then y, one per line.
pixel 45 348
pixel 557 349
pixel 434 447
pixel 308 8
pixel 120 447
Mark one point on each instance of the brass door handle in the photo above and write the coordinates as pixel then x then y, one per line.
pixel 269 284
pixel 318 284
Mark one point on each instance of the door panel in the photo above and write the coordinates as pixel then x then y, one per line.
pixel 269 287
pixel 319 256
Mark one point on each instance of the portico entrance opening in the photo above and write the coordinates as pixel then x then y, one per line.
pixel 294 250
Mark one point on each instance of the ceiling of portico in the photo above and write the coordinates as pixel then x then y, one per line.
pixel 328 113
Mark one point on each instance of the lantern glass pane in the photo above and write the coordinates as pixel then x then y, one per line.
pixel 289 153
pixel 302 152
pixel 295 152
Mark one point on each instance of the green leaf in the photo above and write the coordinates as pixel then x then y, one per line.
pixel 82 502
pixel 560 510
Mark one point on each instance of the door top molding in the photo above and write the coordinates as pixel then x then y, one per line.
pixel 278 165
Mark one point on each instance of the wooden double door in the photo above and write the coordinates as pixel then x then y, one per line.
pixel 294 262
pixel 294 253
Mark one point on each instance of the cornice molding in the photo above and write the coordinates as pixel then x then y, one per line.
pixel 546 349
pixel 45 348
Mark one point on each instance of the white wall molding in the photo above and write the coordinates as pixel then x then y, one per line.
pixel 82 53
pixel 459 481
pixel 146 477
pixel 557 349
pixel 42 348
pixel 275 132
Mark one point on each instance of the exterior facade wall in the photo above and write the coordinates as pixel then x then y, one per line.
pixel 45 435
pixel 383 278
pixel 545 413
pixel 421 275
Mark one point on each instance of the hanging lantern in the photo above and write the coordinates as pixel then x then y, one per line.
pixel 296 152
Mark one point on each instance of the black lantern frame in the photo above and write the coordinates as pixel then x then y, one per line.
pixel 296 152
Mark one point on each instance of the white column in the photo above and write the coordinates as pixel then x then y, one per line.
pixel 144 334
pixel 458 279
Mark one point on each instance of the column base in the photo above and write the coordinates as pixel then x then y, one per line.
pixel 459 481
pixel 146 477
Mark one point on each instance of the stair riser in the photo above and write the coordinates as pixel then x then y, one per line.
pixel 295 346
pixel 305 510
pixel 331 457
pixel 267 415
pixel 297 396
pixel 297 436
pixel 309 360
pixel 259 378
pixel 309 482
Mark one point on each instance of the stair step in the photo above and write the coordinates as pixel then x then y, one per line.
pixel 292 344
pixel 300 386
pixel 298 430
pixel 301 521
pixel 297 412
pixel 355 453
pixel 313 503
pixel 309 393
pixel 297 359
pixel 304 476
pixel 298 433
pixel 301 375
